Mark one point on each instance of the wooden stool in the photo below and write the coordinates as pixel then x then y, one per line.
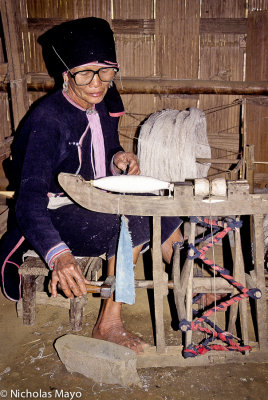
pixel 33 268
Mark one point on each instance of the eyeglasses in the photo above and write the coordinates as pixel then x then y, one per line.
pixel 85 77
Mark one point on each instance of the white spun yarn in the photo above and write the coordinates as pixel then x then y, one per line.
pixel 131 184
pixel 218 187
pixel 169 143
pixel 201 187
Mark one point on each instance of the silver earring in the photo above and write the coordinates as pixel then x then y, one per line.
pixel 65 86
pixel 111 84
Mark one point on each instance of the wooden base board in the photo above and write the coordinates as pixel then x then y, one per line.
pixel 173 358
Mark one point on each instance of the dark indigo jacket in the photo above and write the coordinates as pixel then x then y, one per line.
pixel 47 146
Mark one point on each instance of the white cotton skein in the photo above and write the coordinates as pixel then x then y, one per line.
pixel 201 187
pixel 218 187
pixel 169 143
pixel 131 184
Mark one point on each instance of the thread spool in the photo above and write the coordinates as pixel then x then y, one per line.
pixel 218 187
pixel 131 184
pixel 201 187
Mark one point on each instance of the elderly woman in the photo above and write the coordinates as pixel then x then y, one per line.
pixel 74 130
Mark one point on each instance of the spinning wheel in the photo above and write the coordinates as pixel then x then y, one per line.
pixel 184 201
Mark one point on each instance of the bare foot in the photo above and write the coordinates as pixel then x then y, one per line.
pixel 116 333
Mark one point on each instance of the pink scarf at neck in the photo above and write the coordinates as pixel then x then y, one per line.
pixel 97 142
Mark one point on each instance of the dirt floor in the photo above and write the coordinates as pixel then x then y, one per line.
pixel 30 367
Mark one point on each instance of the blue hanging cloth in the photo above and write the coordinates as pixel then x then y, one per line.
pixel 124 286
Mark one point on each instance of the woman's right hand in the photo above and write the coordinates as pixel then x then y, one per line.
pixel 68 273
pixel 122 160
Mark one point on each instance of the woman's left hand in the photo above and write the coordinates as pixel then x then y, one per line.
pixel 124 160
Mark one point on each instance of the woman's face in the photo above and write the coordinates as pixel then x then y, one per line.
pixel 90 94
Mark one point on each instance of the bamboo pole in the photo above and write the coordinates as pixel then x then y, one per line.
pixel 160 279
pixel 41 82
pixel 190 86
pixel 218 160
pixel 249 153
pixel 200 285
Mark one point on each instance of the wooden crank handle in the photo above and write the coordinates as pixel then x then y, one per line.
pixel 92 288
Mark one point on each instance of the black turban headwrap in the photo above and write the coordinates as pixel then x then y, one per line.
pixel 79 42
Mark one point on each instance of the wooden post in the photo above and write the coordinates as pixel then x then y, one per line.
pixel 233 307
pixel 258 248
pixel 76 312
pixel 249 158
pixel 189 291
pixel 237 171
pixel 239 276
pixel 250 167
pixel 28 299
pixel 17 76
pixel 239 264
pixel 179 296
pixel 160 285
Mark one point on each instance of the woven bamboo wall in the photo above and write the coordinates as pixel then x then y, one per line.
pixel 257 108
pixel 182 39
